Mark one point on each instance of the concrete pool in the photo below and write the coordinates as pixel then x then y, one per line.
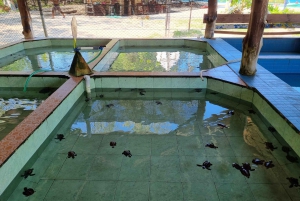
pixel 41 126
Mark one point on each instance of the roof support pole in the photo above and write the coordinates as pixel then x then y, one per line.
pixel 253 40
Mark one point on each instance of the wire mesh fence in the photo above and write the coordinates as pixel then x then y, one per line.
pixel 106 19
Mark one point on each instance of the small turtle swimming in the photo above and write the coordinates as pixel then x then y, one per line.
pixel 28 173
pixel 127 153
pixel 198 90
pixel 142 93
pixel 236 166
pixel 205 165
pixel 247 166
pixel 245 172
pixel 60 137
pixel 211 145
pixel 293 182
pixel 71 154
pixel 101 96
pixel 113 144
pixel 269 145
pixel 158 103
pixel 222 125
pixel 28 191
pixel 269 164
pixel 257 161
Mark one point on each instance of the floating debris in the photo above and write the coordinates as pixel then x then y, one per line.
pixel 127 153
pixel 293 182
pixel 28 173
pixel 222 125
pixel 205 165
pixel 211 145
pixel 60 137
pixel 269 164
pixel 28 191
pixel 113 144
pixel 71 154
pixel 257 161
pixel 109 105
pixel 270 146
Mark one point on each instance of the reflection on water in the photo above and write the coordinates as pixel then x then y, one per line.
pixel 161 60
pixel 13 111
pixel 54 59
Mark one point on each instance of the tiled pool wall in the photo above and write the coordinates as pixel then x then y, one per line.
pixel 59 104
pixel 67 42
pixel 278 55
pixel 109 58
pixel 10 170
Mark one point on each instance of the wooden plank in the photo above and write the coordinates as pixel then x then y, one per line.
pixel 265 33
pixel 244 18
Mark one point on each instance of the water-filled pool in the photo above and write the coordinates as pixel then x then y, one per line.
pixel 15 108
pixel 167 138
pixel 50 58
pixel 159 59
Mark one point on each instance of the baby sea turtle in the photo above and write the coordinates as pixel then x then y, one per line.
pixel 270 146
pixel 101 96
pixel 245 172
pixel 28 173
pixel 211 145
pixel 269 164
pixel 28 191
pixel 247 166
pixel 198 90
pixel 293 182
pixel 71 154
pixel 60 137
pixel 222 125
pixel 127 153
pixel 205 165
pixel 142 93
pixel 113 144
pixel 257 161
pixel 158 103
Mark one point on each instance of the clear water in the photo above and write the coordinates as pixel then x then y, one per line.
pixel 52 59
pixel 160 60
pixel 15 108
pixel 167 140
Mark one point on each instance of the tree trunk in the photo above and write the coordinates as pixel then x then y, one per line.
pixel 253 40
pixel 211 18
pixel 26 19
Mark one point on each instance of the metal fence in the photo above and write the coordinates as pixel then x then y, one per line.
pixel 99 20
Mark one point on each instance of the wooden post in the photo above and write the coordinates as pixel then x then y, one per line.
pixel 211 18
pixel 26 19
pixel 253 40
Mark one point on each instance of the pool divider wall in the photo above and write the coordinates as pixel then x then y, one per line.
pixel 11 168
pixel 266 112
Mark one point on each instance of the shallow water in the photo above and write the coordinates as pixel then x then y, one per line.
pixel 15 110
pixel 160 60
pixel 166 136
pixel 52 59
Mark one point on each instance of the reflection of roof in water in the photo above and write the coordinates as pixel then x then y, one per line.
pixel 167 59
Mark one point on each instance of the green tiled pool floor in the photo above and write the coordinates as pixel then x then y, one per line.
pixel 167 141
